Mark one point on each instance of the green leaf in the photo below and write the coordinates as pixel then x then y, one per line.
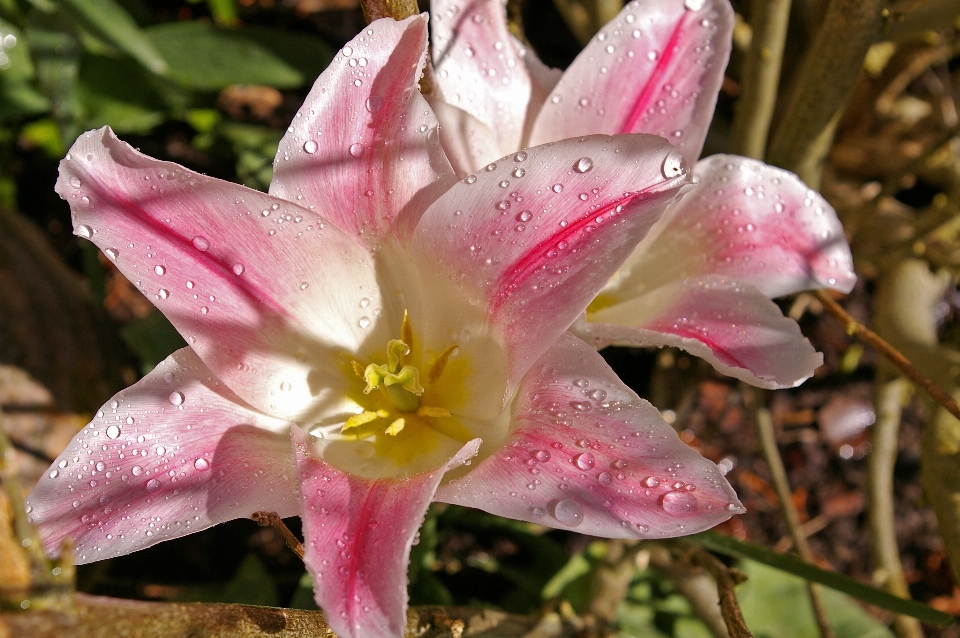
pixel 15 62
pixel 303 595
pixel 762 600
pixel 109 21
pixel 576 567
pixel 793 565
pixel 46 135
pixel 56 56
pixel 206 58
pixel 118 92
pixel 152 338
pixel 306 53
pixel 20 100
pixel 251 585
pixel 224 12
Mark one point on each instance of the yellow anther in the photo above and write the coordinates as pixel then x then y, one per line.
pixel 397 351
pixel 395 427
pixel 406 335
pixel 426 410
pixel 373 375
pixel 364 417
pixel 357 368
pixel 438 366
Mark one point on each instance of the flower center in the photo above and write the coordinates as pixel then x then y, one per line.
pixel 400 383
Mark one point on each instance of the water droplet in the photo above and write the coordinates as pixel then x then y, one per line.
pixel 374 103
pixel 504 205
pixel 519 172
pixel 694 5
pixel 160 270
pixel 201 243
pixel 112 253
pixel 364 322
pixel 84 231
pixel 525 216
pixel 75 181
pixel 304 285
pixel 285 386
pixel 62 464
pixel 347 51
pixel 472 179
pixel 113 432
pixel 651 55
pixel 651 481
pixel 678 502
pixel 568 512
pixel 201 465
pixel 356 150
pixel 238 269
pixel 163 293
pixel 542 455
pixel 491 167
pixel 584 461
pixel 161 450
pixel 583 165
pixel 176 398
pixel 136 470
pixel 101 466
pixel 673 165
pixel 556 188
pixel 520 157
pixel 605 478
pixel 153 485
pixel 54 473
pixel 539 512
pixel 311 146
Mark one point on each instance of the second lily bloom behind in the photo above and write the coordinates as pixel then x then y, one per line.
pixel 702 279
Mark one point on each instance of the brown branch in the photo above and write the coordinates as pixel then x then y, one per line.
pixel 272 519
pixel 727 580
pixel 859 331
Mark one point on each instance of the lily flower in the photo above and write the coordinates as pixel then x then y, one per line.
pixel 747 232
pixel 390 319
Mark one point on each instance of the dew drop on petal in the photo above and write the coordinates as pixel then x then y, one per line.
pixel 678 502
pixel 113 432
pixel 160 270
pixel 75 181
pixel 539 512
pixel 153 485
pixel 176 398
pixel 136 470
pixel 542 455
pixel 557 188
pixel 84 231
pixel 673 165
pixel 694 5
pixel 584 461
pixel 520 157
pixel 364 322
pixel 651 481
pixel 201 465
pixel 238 269
pixel 310 146
pixel 517 172
pixel 605 478
pixel 356 150
pixel 568 512
pixel 374 103
pixel 200 243
pixel 163 293
pixel 54 473
pixel 583 165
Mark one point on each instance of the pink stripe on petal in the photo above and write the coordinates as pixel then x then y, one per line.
pixel 479 67
pixel 264 291
pixel 358 536
pixel 732 325
pixel 171 455
pixel 656 68
pixel 364 149
pixel 587 454
pixel 534 236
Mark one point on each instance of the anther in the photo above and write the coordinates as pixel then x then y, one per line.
pixel 440 364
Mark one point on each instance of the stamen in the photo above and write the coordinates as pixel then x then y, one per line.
pixel 426 410
pixel 438 366
pixel 395 427
pixel 364 417
pixel 357 368
pixel 406 335
pixel 397 351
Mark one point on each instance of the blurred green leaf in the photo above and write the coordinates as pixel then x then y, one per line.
pixel 20 100
pixel 251 585
pixel 793 565
pixel 56 57
pixel 203 120
pixel 109 21
pixel 762 600
pixel 152 338
pixel 303 595
pixel 255 148
pixel 224 12
pixel 117 92
pixel 15 62
pixel 576 567
pixel 44 134
pixel 306 53
pixel 204 57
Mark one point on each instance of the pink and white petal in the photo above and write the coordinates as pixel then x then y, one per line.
pixel 656 68
pixel 479 69
pixel 543 79
pixel 469 143
pixel 734 326
pixel 364 148
pixel 588 454
pixel 533 237
pixel 748 221
pixel 265 292
pixel 171 455
pixel 358 533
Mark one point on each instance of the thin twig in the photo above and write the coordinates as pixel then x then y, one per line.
pixel 883 539
pixel 856 329
pixel 760 77
pixel 727 580
pixel 781 484
pixel 698 587
pixel 272 519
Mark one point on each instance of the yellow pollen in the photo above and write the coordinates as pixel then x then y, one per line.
pixel 357 368
pixel 364 417
pixel 426 410
pixel 440 364
pixel 395 427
